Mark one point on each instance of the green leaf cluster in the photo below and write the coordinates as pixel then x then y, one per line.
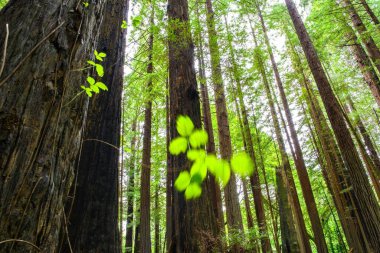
pixel 192 142
pixel 94 86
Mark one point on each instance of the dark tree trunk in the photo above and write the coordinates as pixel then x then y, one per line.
pixel 146 244
pixel 93 220
pixel 366 203
pixel 157 216
pixel 40 131
pixel 190 218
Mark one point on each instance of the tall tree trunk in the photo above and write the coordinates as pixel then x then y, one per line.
pixel 234 218
pixel 365 65
pixel 298 159
pixel 215 193
pixel 370 13
pixel 288 235
pixel 367 206
pixel 372 49
pixel 190 218
pixel 130 190
pixel 157 215
pixel 370 147
pixel 254 179
pixel 335 169
pixel 40 131
pixel 146 244
pixel 303 238
pixel 93 220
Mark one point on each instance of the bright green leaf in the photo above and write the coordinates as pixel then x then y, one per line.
pixel 178 146
pixel 199 167
pixel 223 172
pixel 242 164
pixel 100 70
pixel 193 191
pixel 124 25
pixel 91 63
pixel 184 126
pixel 102 54
pixel 90 80
pixel 94 88
pixel 182 181
pixel 212 162
pixel 85 4
pixel 196 154
pixel 198 138
pixel 101 86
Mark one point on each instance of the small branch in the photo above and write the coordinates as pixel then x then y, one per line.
pixel 5 48
pixel 18 240
pixel 104 142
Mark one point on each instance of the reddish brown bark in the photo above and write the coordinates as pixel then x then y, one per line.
pixel 367 206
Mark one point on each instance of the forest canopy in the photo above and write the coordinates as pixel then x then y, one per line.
pixel 188 126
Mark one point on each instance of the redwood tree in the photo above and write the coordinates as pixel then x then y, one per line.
pixel 40 122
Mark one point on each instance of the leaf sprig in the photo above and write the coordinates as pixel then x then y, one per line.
pixel 192 142
pixel 94 86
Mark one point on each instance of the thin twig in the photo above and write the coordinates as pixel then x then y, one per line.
pixel 104 142
pixel 30 52
pixel 18 240
pixel 5 48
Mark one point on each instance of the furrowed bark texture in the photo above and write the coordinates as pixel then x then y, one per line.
pixel 93 220
pixel 40 131
pixel 367 206
pixel 191 226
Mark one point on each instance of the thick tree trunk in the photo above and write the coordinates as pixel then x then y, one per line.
pixel 93 220
pixel 190 218
pixel 367 206
pixel 146 244
pixel 298 159
pixel 40 131
pixel 372 49
pixel 234 218
pixel 303 238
